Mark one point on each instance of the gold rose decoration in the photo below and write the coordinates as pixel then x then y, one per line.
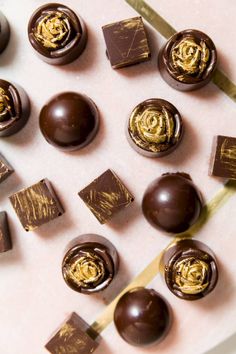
pixel 5 107
pixel 53 30
pixel 86 270
pixel 191 275
pixel 190 58
pixel 152 127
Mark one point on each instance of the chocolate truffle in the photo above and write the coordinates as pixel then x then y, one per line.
pixel 223 158
pixel 14 108
pixel 36 205
pixel 57 34
pixel 90 264
pixel 190 269
pixel 106 196
pixel 155 128
pixel 188 60
pixel 5 237
pixel 74 337
pixel 5 169
pixel 172 203
pixel 4 32
pixel 69 121
pixel 126 42
pixel 142 317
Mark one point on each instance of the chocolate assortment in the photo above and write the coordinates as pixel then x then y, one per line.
pixel 57 34
pixel 188 60
pixel 14 108
pixel 4 32
pixel 190 269
pixel 90 264
pixel 5 169
pixel 172 203
pixel 74 336
pixel 5 236
pixel 223 158
pixel 36 205
pixel 69 121
pixel 142 317
pixel 126 42
pixel 106 196
pixel 155 128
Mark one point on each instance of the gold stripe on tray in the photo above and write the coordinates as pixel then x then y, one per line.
pixel 166 30
pixel 153 268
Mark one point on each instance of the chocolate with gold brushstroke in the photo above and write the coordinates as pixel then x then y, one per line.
pixel 36 205
pixel 5 169
pixel 74 337
pixel 155 128
pixel 5 237
pixel 106 196
pixel 126 42
pixel 223 158
pixel 188 60
pixel 57 34
pixel 90 264
pixel 14 108
pixel 190 269
pixel 4 32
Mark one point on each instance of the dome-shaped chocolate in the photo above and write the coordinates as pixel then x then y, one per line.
pixel 69 121
pixel 172 203
pixel 142 317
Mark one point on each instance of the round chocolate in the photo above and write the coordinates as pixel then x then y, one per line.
pixel 155 128
pixel 142 317
pixel 90 264
pixel 4 32
pixel 190 269
pixel 14 108
pixel 172 203
pixel 57 34
pixel 188 60
pixel 69 121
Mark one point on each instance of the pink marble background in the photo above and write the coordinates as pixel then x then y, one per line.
pixel 34 297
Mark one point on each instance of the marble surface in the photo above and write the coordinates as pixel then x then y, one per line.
pixel 34 297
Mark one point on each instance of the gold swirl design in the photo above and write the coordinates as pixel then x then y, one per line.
pixel 191 274
pixel 5 107
pixel 87 270
pixel 152 128
pixel 190 58
pixel 53 29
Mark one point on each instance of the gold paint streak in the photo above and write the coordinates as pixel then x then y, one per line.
pixel 152 269
pixel 189 57
pixel 52 29
pixel 166 30
pixel 190 275
pixel 67 331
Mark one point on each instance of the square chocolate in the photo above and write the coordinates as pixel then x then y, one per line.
pixel 36 205
pixel 74 337
pixel 5 169
pixel 105 196
pixel 5 237
pixel 223 158
pixel 126 42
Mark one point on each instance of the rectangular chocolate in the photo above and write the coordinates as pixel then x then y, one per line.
pixel 105 196
pixel 126 42
pixel 74 337
pixel 36 205
pixel 5 237
pixel 5 169
pixel 223 158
